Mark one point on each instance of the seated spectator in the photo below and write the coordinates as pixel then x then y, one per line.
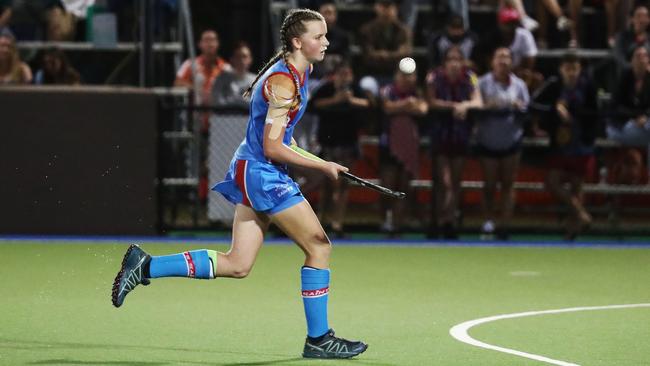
pixel 339 47
pixel 572 125
pixel 56 70
pixel 339 104
pixel 452 91
pixel 399 143
pixel 632 103
pixel 208 66
pixel 384 41
pixel 635 35
pixel 230 85
pixel 499 135
pixel 454 34
pixel 520 42
pixel 12 69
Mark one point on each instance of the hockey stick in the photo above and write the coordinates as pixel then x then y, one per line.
pixel 351 177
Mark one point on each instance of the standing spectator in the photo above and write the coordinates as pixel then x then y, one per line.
pixel 208 66
pixel 571 124
pixel 452 91
pixel 384 41
pixel 339 48
pixel 454 34
pixel 635 35
pixel 12 69
pixel 230 85
pixel 632 102
pixel 499 135
pixel 56 69
pixel 403 103
pixel 338 103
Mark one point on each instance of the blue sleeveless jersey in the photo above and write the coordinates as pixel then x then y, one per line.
pixel 252 179
pixel 252 148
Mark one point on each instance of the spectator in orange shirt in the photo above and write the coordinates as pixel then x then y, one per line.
pixel 208 66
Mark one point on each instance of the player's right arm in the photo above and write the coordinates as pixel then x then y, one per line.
pixel 280 92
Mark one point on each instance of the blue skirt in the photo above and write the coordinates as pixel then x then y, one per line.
pixel 263 186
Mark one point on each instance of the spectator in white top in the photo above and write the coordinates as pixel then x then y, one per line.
pixel 230 85
pixel 499 134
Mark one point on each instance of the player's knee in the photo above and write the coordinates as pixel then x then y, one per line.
pixel 319 246
pixel 241 271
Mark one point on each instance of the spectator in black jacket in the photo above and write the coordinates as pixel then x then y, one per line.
pixel 571 124
pixel 454 34
pixel 632 102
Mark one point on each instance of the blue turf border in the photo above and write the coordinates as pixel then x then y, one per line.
pixel 344 242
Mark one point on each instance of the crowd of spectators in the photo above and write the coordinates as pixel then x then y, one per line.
pixel 479 92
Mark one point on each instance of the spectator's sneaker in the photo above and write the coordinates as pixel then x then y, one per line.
pixel 130 275
pixel 563 23
pixel 329 346
pixel 530 23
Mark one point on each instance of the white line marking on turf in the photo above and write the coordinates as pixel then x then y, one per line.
pixel 460 331
pixel 524 273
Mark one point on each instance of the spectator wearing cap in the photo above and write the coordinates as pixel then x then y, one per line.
pixel 452 89
pixel 571 122
pixel 384 41
pixel 454 34
pixel 521 43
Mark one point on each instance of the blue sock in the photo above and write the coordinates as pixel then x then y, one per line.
pixel 195 264
pixel 315 291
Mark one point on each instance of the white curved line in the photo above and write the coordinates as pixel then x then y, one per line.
pixel 460 331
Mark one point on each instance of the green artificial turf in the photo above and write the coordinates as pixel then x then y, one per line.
pixel 55 306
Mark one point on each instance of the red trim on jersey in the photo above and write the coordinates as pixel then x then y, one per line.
pixel 191 268
pixel 240 180
pixel 316 293
pixel 293 68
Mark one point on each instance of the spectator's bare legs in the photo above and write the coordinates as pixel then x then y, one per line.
pixel 544 7
pixel 457 164
pixel 389 175
pixel 449 172
pixel 339 203
pixel 490 169
pixel 611 13
pixel 574 12
pixel 508 169
pixel 247 236
pixel 444 190
pixel 571 197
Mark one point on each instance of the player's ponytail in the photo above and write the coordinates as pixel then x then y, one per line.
pixel 292 27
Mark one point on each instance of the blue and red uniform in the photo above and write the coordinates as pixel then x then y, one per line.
pixel 253 180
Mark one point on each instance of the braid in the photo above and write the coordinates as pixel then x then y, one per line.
pixel 294 77
pixel 292 27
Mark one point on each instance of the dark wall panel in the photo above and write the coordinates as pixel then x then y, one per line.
pixel 80 161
